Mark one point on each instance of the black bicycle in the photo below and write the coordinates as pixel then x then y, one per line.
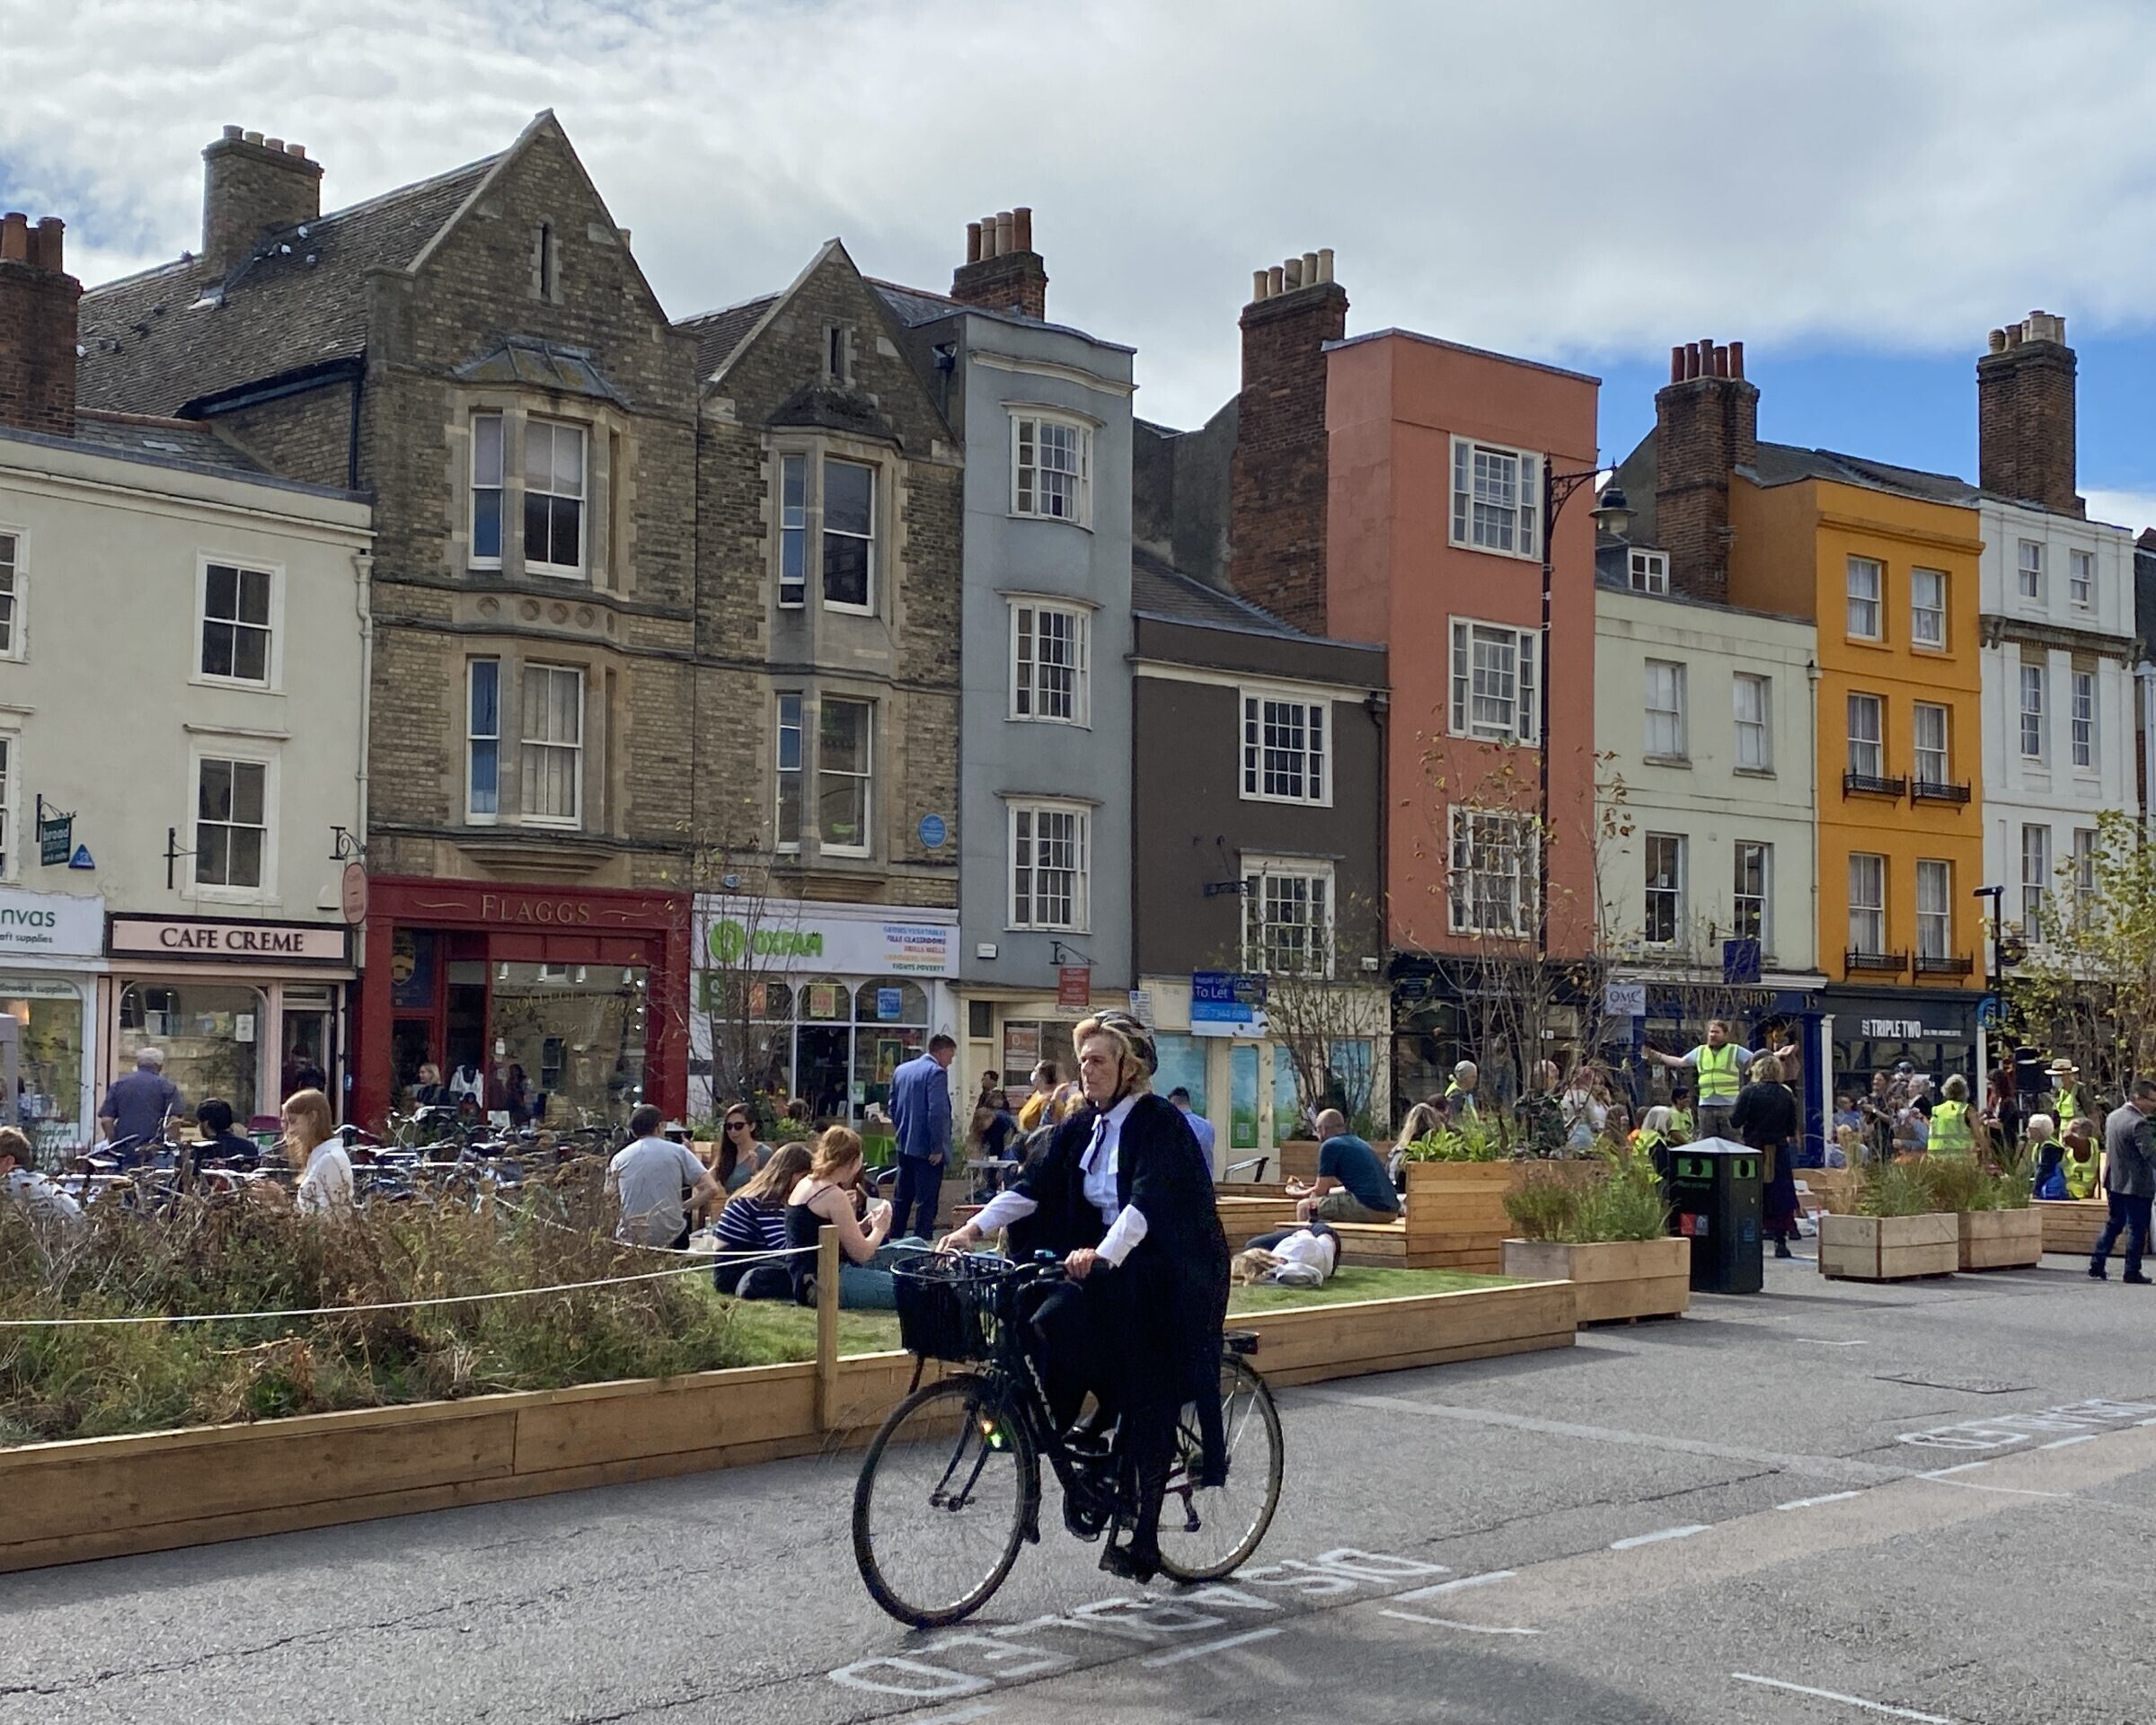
pixel 950 1486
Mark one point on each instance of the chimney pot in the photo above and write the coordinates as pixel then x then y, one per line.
pixel 299 150
pixel 1310 269
pixel 1002 233
pixel 1995 342
pixel 1324 264
pixel 231 131
pixel 1021 228
pixel 1257 286
pixel 1737 359
pixel 973 242
pixel 1677 364
pixel 1691 361
pixel 1293 271
pixel 50 244
pixel 1721 362
pixel 277 143
pixel 14 236
pixel 252 137
pixel 1275 280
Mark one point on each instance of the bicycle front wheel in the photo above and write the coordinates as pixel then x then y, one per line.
pixel 1209 1532
pixel 948 1490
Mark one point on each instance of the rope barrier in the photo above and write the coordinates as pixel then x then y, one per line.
pixel 703 1267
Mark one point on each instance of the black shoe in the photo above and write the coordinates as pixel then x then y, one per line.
pixel 2098 1273
pixel 1131 1563
pixel 2136 1278
pixel 1781 1249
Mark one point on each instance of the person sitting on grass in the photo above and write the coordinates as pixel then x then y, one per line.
pixel 755 1221
pixel 1352 1184
pixel 825 1196
pixel 656 1183
pixel 28 1189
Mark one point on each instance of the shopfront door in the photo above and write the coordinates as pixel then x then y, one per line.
pixel 825 1070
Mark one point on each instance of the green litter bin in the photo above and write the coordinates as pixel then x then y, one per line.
pixel 1714 1199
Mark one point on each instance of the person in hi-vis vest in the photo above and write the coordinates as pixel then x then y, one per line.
pixel 1954 1125
pixel 2065 1089
pixel 1720 1066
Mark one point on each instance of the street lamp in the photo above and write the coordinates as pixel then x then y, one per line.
pixel 1613 516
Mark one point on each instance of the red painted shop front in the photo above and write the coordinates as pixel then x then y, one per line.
pixel 559 1005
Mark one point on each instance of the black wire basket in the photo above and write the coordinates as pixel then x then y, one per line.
pixel 949 1305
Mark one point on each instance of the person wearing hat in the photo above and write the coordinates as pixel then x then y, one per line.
pixel 2065 1089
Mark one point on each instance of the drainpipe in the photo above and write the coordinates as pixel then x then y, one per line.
pixel 1378 704
pixel 1819 1111
pixel 363 569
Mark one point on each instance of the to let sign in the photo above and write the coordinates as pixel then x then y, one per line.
pixel 172 937
pixel 1075 985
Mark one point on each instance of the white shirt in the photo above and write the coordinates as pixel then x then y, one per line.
pixel 326 1184
pixel 1126 1223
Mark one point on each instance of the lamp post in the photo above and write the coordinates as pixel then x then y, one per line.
pixel 1613 514
pixel 1997 894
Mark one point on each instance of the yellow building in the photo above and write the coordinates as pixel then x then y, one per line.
pixel 1884 560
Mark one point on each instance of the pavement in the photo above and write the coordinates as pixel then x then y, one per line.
pixel 1932 1501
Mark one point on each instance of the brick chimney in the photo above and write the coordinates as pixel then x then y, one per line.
pixel 1705 424
pixel 1002 272
pixel 37 327
pixel 2025 415
pixel 1278 477
pixel 252 185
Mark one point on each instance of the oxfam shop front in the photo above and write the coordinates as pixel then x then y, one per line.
pixel 822 1002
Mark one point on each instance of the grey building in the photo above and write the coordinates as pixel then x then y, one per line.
pixel 1043 834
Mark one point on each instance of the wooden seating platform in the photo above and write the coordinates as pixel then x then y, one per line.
pixel 1404 1245
pixel 2072 1224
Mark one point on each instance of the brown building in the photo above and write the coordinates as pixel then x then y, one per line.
pixel 1257 806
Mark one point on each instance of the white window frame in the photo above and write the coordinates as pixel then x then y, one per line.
pixel 479 484
pixel 243 752
pixel 799 701
pixel 1261 875
pixel 1313 761
pixel 865 776
pixel 1917 750
pixel 1028 690
pixel 1672 891
pixel 474 816
pixel 1669 674
pixel 2035 873
pixel 1936 640
pixel 1519 520
pixel 825 530
pixel 1935 927
pixel 2032 680
pixel 1758 731
pixel 1525 645
pixel 2081 580
pixel 15 562
pixel 273 655
pixel 2080 719
pixel 2029 570
pixel 1764 898
pixel 11 828
pixel 2084 863
pixel 1027 813
pixel 581 497
pixel 525 742
pixel 1863 905
pixel 1876 599
pixel 1464 900
pixel 1029 501
pixel 793 518
pixel 1648 570
pixel 1877 742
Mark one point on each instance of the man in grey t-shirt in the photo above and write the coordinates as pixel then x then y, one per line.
pixel 655 1181
pixel 2129 1180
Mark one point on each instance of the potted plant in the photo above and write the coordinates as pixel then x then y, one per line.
pixel 1608 1235
pixel 1998 1230
pixel 1897 1232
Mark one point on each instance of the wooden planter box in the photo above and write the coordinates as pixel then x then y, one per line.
pixel 1890 1248
pixel 1828 1189
pixel 1262 1211
pixel 1611 1278
pixel 2001 1239
pixel 2071 1225
pixel 108 1497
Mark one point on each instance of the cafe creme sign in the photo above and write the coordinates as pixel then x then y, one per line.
pixel 174 937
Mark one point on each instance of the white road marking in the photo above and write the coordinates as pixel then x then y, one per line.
pixel 1809 1503
pixel 1454 1623
pixel 2005 1490
pixel 1203 1647
pixel 1941 1473
pixel 1658 1535
pixel 1463 1583
pixel 1847 1700
pixel 2062 1443
pixel 1816 1342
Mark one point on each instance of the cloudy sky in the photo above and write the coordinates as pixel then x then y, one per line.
pixel 1857 189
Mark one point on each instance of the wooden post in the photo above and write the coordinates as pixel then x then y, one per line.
pixel 827 1325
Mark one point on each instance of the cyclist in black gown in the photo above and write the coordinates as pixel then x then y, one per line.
pixel 1124 1196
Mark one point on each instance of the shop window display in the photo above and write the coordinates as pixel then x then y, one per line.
pixel 48 1058
pixel 566 1042
pixel 211 1035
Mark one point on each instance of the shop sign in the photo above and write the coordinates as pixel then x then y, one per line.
pixel 1909 1029
pixel 1074 985
pixel 55 837
pixel 1624 999
pixel 1226 1002
pixel 46 924
pixel 779 935
pixel 249 943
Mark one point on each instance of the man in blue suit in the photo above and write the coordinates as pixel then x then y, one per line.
pixel 921 1111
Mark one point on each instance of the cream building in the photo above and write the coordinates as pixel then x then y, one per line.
pixel 184 673
pixel 1703 714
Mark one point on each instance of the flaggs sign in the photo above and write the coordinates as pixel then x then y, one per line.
pixel 246 942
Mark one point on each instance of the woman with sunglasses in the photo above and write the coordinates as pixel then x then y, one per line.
pixel 741 1157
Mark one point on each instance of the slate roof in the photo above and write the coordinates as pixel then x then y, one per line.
pixel 155 341
pixel 916 305
pixel 1780 464
pixel 719 334
pixel 1159 589
pixel 189 445
pixel 529 359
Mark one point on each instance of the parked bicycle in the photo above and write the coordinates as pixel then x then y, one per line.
pixel 950 1486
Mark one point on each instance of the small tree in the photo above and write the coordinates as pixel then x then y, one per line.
pixel 745 942
pixel 1316 1009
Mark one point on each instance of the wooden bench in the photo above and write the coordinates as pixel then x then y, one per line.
pixel 2071 1225
pixel 1833 1190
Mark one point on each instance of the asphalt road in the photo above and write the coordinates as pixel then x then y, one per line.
pixel 1929 1502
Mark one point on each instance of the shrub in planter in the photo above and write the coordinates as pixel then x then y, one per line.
pixel 1467 1140
pixel 1626 1204
pixel 1897 1232
pixel 1609 1236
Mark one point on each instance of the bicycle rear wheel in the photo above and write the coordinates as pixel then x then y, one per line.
pixel 1209 1532
pixel 948 1490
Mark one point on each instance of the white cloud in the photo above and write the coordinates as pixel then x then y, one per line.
pixel 1564 179
pixel 2134 510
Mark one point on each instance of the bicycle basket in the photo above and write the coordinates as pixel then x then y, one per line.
pixel 948 1305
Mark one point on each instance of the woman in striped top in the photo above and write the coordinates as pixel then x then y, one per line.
pixel 755 1217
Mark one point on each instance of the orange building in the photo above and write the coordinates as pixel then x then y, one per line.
pixel 1434 548
pixel 1884 560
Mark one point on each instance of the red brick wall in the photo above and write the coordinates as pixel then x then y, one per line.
pixel 2025 424
pixel 1703 428
pixel 1278 478
pixel 37 329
